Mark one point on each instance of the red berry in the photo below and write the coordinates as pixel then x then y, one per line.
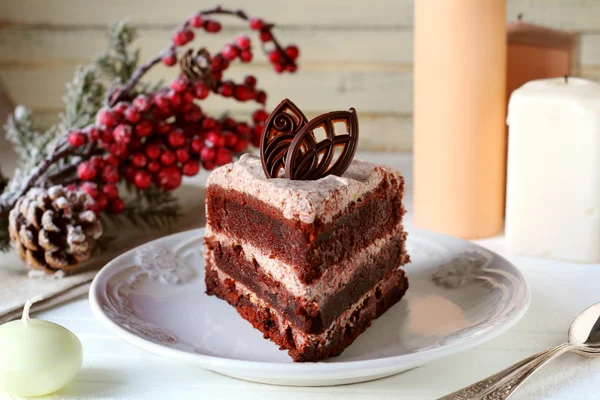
pixel 212 26
pixel 122 134
pixel 243 42
pixel 224 156
pixel 208 165
pixel 208 154
pixel 94 133
pixel 196 21
pixel 169 178
pixel 275 56
pixel 261 97
pixel 241 145
pixel 209 123
pixel 132 115
pixel 255 23
pixel 110 191
pixel 111 160
pixel 196 144
pixel 144 128
pixel 86 171
pixel 229 122
pixel 201 90
pixel 278 67
pixel 119 150
pixel 90 188
pixel 226 89
pixel 142 180
pixel 194 115
pixel 246 56
pixel 260 115
pixel 179 84
pixel 187 97
pixel 218 63
pixel 97 161
pixel 182 37
pixel 189 35
pixel 119 108
pixel 141 103
pixel 230 51
pixel 153 151
pixel 256 141
pixel 153 167
pixel 110 174
pixel 243 129
pixel 139 160
pixel 161 101
pixel 265 36
pixel 176 138
pixel 129 172
pixel 167 158
pixel 191 168
pixel 106 117
pixel 182 155
pixel 169 60
pixel 175 99
pixel 117 206
pixel 291 68
pixel 101 201
pixel 77 138
pixel 250 80
pixel 163 127
pixel 216 139
pixel 230 139
pixel 243 93
pixel 292 52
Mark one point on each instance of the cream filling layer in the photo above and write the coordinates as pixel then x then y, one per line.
pixel 333 279
pixel 301 339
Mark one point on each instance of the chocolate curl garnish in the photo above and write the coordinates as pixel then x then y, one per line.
pixel 280 128
pixel 308 159
pixel 289 148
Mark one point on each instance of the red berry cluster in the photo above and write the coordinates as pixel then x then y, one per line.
pixel 158 138
pixel 282 59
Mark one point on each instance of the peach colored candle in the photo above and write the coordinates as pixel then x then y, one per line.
pixel 459 113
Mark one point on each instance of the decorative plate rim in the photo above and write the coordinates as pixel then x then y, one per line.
pixel 278 369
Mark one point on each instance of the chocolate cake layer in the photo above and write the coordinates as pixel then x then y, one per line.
pixel 301 346
pixel 315 313
pixel 308 247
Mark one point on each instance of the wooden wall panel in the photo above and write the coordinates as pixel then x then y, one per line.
pixel 353 53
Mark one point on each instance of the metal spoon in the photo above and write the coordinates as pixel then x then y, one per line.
pixel 584 338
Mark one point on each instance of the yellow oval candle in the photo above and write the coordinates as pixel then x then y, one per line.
pixel 37 357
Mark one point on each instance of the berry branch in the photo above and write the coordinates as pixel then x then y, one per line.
pixel 125 144
pixel 54 156
pixel 280 57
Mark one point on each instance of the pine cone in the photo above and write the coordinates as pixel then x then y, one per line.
pixel 196 66
pixel 52 228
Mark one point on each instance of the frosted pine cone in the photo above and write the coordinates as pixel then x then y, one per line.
pixel 53 229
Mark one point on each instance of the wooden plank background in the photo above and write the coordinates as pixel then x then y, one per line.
pixel 357 54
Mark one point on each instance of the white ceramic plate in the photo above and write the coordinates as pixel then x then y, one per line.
pixel 460 296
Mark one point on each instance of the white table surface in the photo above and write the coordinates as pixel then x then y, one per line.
pixel 113 369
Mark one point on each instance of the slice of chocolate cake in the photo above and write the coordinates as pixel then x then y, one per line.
pixel 309 263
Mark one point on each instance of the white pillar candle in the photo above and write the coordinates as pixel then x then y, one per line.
pixel 553 182
pixel 37 357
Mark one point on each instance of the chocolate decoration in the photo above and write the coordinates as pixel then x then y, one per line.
pixel 280 128
pixel 309 160
pixel 290 150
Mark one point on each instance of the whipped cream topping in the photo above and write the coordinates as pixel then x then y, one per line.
pixel 302 200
